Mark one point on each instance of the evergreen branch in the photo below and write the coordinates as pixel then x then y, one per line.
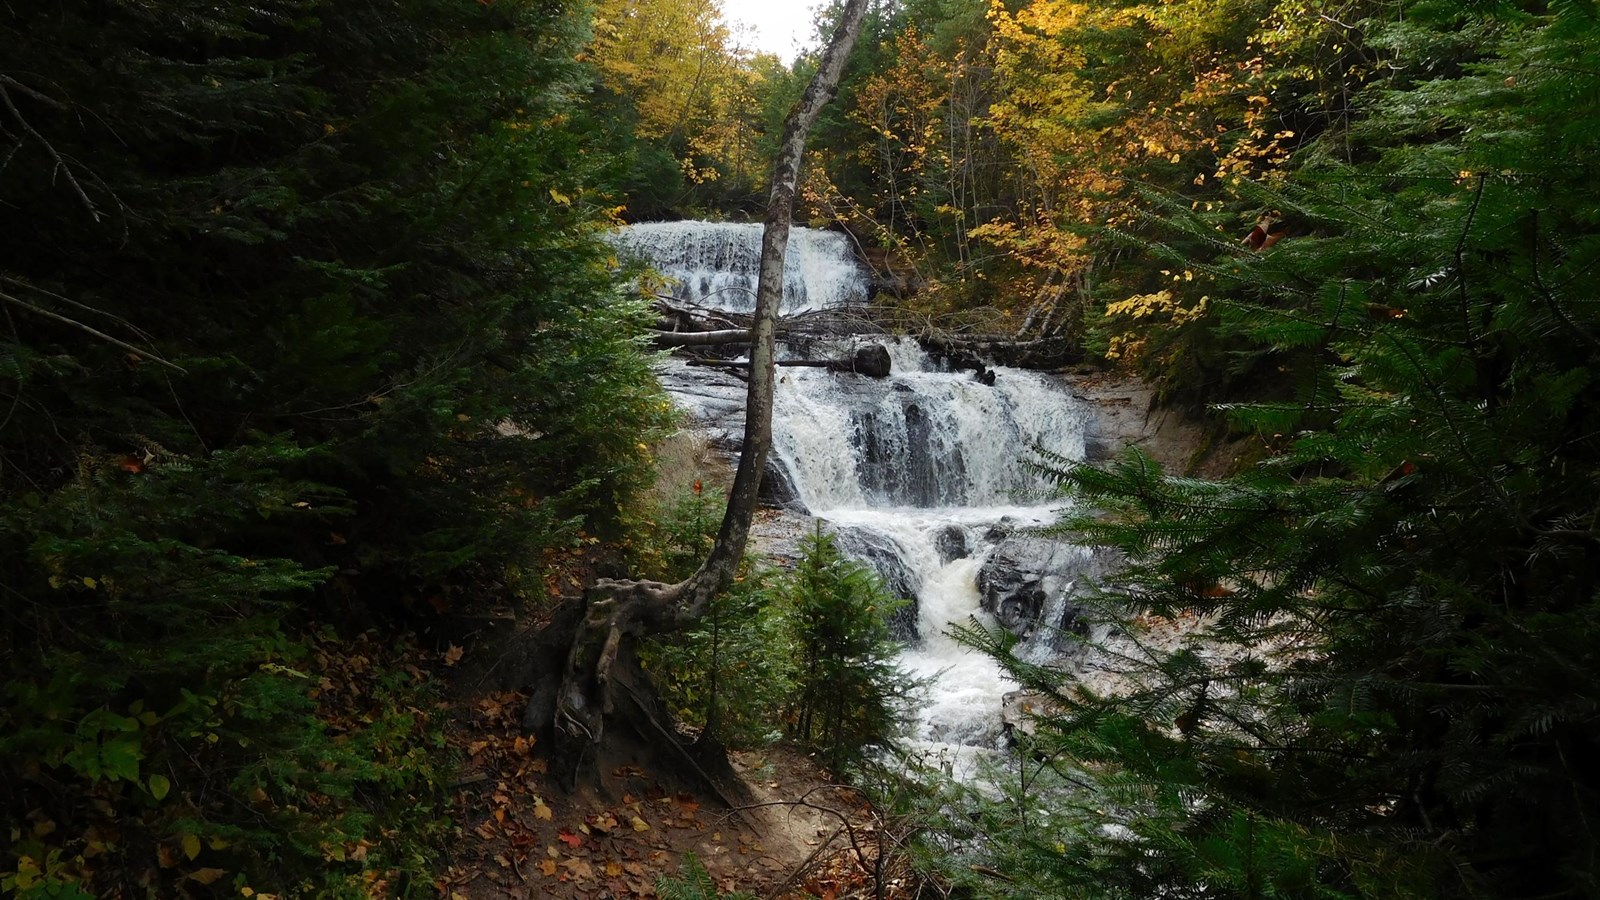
pixel 94 332
pixel 10 154
pixel 1455 428
pixel 1461 264
pixel 77 305
pixel 46 99
pixel 1548 295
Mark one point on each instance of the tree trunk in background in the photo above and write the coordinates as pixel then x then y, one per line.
pixel 618 611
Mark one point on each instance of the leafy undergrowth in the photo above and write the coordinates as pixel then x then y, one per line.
pixel 411 789
pixel 317 773
pixel 519 835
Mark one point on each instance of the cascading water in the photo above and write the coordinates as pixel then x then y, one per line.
pixel 923 474
pixel 715 264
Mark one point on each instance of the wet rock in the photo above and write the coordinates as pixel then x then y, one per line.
pixel 1020 712
pixel 1096 449
pixel 1029 584
pixel 951 542
pixel 1123 412
pixel 903 461
pixel 886 558
pixel 871 360
pixel 1074 621
pixel 777 488
pixel 1011 593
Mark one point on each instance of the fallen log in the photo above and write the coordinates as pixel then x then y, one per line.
pixel 701 338
pixel 871 361
pixel 745 364
pixel 970 352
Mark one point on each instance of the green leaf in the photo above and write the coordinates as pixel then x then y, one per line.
pixel 120 759
pixel 159 786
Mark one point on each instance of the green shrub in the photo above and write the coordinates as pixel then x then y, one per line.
pixel 850 693
pixel 731 671
pixel 694 883
pixel 805 653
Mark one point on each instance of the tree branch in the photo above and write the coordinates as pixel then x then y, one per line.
pixel 94 332
pixel 723 561
pixel 77 305
pixel 61 164
pixel 618 609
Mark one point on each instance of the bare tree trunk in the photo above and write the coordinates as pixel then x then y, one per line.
pixel 619 611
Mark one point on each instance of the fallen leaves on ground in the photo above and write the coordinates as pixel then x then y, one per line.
pixel 524 837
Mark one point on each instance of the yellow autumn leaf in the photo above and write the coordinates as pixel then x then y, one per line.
pixel 207 876
pixel 191 845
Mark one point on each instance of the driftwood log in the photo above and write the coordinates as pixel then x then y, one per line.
pixel 972 352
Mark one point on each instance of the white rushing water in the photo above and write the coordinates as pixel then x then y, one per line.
pixel 714 264
pixel 923 474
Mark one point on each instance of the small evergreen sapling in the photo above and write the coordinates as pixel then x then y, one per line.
pixel 850 693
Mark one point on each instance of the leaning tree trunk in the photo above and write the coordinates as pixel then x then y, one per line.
pixel 619 611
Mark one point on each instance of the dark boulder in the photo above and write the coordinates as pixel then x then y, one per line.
pixel 778 489
pixel 1011 593
pixel 951 542
pixel 887 558
pixel 871 360
pixel 1030 584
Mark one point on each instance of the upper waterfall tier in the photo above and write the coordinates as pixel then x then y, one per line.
pixel 715 264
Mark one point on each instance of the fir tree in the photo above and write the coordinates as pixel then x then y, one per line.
pixel 303 312
pixel 850 694
pixel 1398 677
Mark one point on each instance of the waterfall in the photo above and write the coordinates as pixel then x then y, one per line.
pixel 715 264
pixel 924 474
